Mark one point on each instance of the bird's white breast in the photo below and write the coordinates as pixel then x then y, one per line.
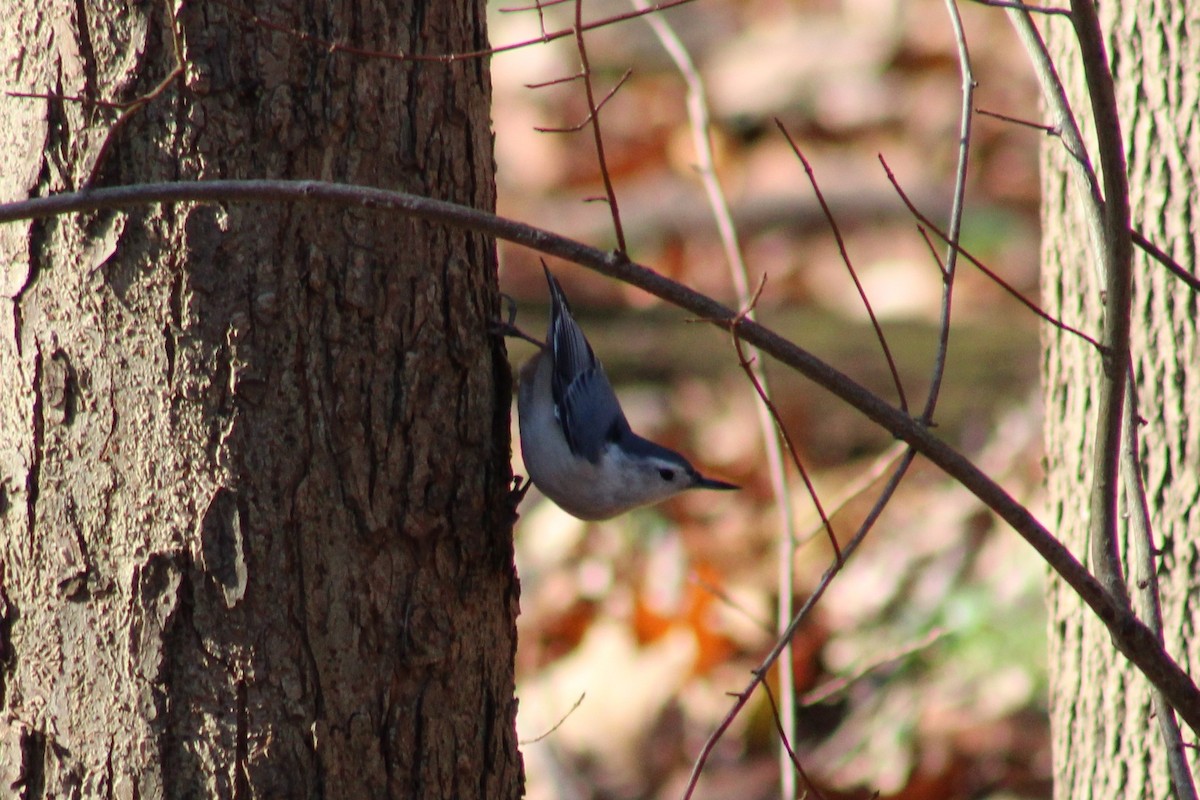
pixel 581 488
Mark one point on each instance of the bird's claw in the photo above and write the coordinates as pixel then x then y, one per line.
pixel 507 327
pixel 520 485
pixel 517 493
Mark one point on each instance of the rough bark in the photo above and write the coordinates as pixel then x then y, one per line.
pixel 253 461
pixel 1105 737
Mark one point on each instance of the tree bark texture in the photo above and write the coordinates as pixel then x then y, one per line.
pixel 253 460
pixel 1106 738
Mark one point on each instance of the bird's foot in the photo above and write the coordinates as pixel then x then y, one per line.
pixel 507 327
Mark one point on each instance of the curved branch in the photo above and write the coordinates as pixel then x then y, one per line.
pixel 954 228
pixel 1117 259
pixel 1135 641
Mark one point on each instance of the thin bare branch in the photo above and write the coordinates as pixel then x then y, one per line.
pixel 1116 262
pixel 841 243
pixel 1049 130
pixel 837 686
pixel 746 365
pixel 1145 588
pixel 591 117
pixel 948 269
pixel 1141 241
pixel 1171 264
pixel 932 249
pixel 557 82
pixel 446 58
pixel 1048 10
pixel 539 6
pixel 556 725
pixel 759 673
pixel 1003 284
pixel 783 738
pixel 594 119
pixel 1063 122
pixel 132 108
pixel 768 422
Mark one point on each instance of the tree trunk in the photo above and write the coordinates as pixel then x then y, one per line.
pixel 1105 735
pixel 253 460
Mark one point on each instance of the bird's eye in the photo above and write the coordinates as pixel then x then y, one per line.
pixel 667 475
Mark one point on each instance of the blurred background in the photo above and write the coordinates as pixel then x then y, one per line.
pixel 921 672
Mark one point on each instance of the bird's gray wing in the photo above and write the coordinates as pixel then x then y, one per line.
pixel 590 415
pixel 584 400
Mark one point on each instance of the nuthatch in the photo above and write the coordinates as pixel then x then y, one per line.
pixel 578 447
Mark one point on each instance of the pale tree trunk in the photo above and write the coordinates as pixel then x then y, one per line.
pixel 253 460
pixel 1106 738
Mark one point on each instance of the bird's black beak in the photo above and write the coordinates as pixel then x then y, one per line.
pixel 712 483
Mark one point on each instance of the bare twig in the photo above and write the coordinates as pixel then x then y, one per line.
pixel 591 117
pixel 841 243
pixel 1116 264
pixel 1003 284
pixel 724 596
pixel 1063 121
pixel 1049 130
pixel 556 725
pixel 768 422
pixel 745 363
pixel 760 672
pixel 557 82
pixel 1048 10
pixel 446 58
pixel 133 107
pixel 1135 641
pixel 837 686
pixel 956 213
pixel 1141 241
pixel 1171 264
pixel 538 6
pixel 1145 587
pixel 783 736
pixel 594 118
pixel 932 249
pixel 787 726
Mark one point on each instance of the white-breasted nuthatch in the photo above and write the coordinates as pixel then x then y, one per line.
pixel 578 447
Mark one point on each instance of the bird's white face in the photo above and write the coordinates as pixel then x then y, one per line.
pixel 658 479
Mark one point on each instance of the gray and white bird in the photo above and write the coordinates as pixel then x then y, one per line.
pixel 578 447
